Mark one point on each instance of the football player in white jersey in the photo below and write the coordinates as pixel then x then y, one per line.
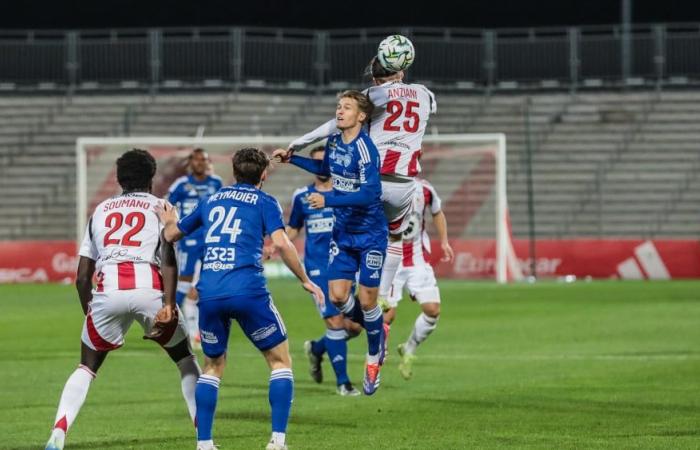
pixel 397 127
pixel 123 247
pixel 416 275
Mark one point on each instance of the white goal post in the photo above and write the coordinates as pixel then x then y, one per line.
pixel 458 161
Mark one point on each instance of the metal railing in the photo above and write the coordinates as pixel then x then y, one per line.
pixel 461 58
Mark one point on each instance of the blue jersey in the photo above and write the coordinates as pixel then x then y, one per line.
pixel 318 225
pixel 234 221
pixel 186 193
pixel 357 188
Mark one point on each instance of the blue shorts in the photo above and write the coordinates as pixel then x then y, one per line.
pixel 353 253
pixel 321 280
pixel 256 315
pixel 189 253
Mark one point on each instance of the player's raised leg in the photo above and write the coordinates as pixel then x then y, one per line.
pixel 425 324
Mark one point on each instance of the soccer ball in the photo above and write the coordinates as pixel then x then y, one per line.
pixel 396 53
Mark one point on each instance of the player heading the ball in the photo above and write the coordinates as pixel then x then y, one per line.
pixel 397 126
pixel 360 231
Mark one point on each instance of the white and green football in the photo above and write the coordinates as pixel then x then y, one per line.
pixel 396 53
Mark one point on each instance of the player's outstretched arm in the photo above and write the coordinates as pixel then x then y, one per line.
pixel 290 257
pixel 168 217
pixel 314 136
pixel 83 281
pixel 440 222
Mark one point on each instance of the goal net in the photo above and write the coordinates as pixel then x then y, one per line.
pixel 467 170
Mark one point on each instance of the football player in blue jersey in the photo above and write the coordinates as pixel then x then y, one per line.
pixel 185 193
pixel 318 227
pixel 360 231
pixel 234 222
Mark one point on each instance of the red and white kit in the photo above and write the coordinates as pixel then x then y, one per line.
pixel 397 127
pixel 415 273
pixel 123 238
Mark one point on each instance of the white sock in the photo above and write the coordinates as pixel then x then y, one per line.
pixel 189 374
pixel 347 307
pixel 279 438
pixel 421 330
pixel 73 396
pixel 191 312
pixel 394 255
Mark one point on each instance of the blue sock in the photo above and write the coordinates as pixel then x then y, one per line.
pixel 205 396
pixel 318 347
pixel 281 394
pixel 337 348
pixel 373 325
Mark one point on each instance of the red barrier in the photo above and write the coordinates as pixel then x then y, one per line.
pixel 55 261
pixel 37 261
pixel 597 258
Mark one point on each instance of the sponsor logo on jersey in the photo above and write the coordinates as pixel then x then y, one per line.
pixel 217 266
pixel 374 259
pixel 344 159
pixel 314 272
pixel 263 333
pixel 345 184
pixel 324 225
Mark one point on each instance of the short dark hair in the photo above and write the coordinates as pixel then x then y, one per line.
pixel 135 170
pixel 317 149
pixel 363 102
pixel 378 71
pixel 249 164
pixel 197 150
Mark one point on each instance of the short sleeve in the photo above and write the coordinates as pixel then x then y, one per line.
pixel 296 216
pixel 88 248
pixel 432 199
pixel 272 216
pixel 172 194
pixel 193 220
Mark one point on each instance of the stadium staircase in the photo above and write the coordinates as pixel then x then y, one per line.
pixel 604 164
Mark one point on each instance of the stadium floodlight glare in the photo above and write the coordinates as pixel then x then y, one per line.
pixel 468 171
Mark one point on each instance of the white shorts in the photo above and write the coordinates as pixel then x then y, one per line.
pixel 398 203
pixel 420 283
pixel 111 314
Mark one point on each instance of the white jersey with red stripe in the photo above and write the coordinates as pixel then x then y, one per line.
pixel 123 238
pixel 397 126
pixel 416 242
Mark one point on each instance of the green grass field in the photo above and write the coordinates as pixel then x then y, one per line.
pixel 594 365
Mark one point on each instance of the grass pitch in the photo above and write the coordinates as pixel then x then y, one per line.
pixel 595 365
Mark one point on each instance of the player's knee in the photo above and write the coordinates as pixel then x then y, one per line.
pixel 368 296
pixel 335 322
pixel 214 365
pixel 278 357
pixel 338 295
pixel 432 310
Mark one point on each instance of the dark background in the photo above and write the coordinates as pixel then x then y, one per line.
pixel 16 14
